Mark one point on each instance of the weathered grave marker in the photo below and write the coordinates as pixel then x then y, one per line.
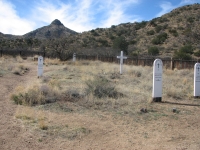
pixel 121 57
pixel 40 66
pixel 74 57
pixel 157 80
pixel 197 80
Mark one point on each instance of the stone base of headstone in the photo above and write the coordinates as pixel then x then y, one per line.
pixel 157 99
pixel 196 96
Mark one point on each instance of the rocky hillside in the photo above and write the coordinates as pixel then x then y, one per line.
pixel 175 34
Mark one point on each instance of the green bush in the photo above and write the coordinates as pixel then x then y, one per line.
pixel 152 23
pixel 158 28
pixel 151 32
pixel 160 38
pixel 197 53
pixel 173 32
pixel 190 19
pixel 121 44
pixel 182 55
pixel 140 25
pixel 133 42
pixel 187 49
pixel 153 51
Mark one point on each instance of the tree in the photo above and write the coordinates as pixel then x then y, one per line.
pixel 184 53
pixel 187 49
pixel 121 44
pixel 153 51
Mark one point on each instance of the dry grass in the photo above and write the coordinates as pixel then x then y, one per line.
pixel 15 65
pixel 36 93
pixel 87 77
pixel 70 104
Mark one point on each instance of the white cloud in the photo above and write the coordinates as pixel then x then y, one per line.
pixel 83 15
pixel 75 16
pixel 116 13
pixel 78 15
pixel 183 2
pixel 11 23
pixel 166 7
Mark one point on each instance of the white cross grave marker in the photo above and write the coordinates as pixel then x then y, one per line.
pixel 40 66
pixel 157 80
pixel 197 80
pixel 121 57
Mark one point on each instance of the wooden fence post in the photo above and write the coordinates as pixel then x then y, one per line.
pixel 172 64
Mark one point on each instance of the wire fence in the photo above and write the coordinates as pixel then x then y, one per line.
pixel 168 63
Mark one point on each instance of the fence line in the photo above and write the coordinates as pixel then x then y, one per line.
pixel 168 63
pixel 22 53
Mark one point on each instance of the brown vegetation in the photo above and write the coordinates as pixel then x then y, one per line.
pixel 89 105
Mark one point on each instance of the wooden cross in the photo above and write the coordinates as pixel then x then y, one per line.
pixel 121 57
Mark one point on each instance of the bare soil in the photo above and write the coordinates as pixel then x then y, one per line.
pixel 159 128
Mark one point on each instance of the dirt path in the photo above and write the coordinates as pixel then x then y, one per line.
pixel 13 134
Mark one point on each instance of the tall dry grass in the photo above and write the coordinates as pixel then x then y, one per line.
pixel 80 87
pixel 16 65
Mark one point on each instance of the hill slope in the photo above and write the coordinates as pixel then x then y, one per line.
pixel 175 34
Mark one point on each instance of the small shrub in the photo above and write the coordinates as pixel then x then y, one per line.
pixel 101 87
pixel 19 59
pixel 160 38
pixel 187 49
pixel 140 25
pixel 158 28
pixel 197 53
pixel 153 51
pixel 43 125
pixel 182 55
pixel 190 19
pixel 173 32
pixel 20 70
pixel 34 95
pixel 151 32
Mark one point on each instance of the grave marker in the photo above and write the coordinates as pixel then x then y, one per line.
pixel 121 57
pixel 197 80
pixel 157 80
pixel 74 57
pixel 40 66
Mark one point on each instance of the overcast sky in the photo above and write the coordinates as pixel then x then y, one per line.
pixel 22 16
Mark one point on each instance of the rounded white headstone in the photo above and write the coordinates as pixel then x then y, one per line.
pixel 197 80
pixel 157 80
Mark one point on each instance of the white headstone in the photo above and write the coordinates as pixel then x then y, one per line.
pixel 157 80
pixel 74 57
pixel 40 66
pixel 197 80
pixel 121 57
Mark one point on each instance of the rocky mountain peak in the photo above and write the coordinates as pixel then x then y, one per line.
pixel 56 22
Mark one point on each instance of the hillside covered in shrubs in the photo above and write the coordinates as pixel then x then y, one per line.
pixel 175 34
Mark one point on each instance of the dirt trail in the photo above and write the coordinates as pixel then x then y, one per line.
pixel 13 135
